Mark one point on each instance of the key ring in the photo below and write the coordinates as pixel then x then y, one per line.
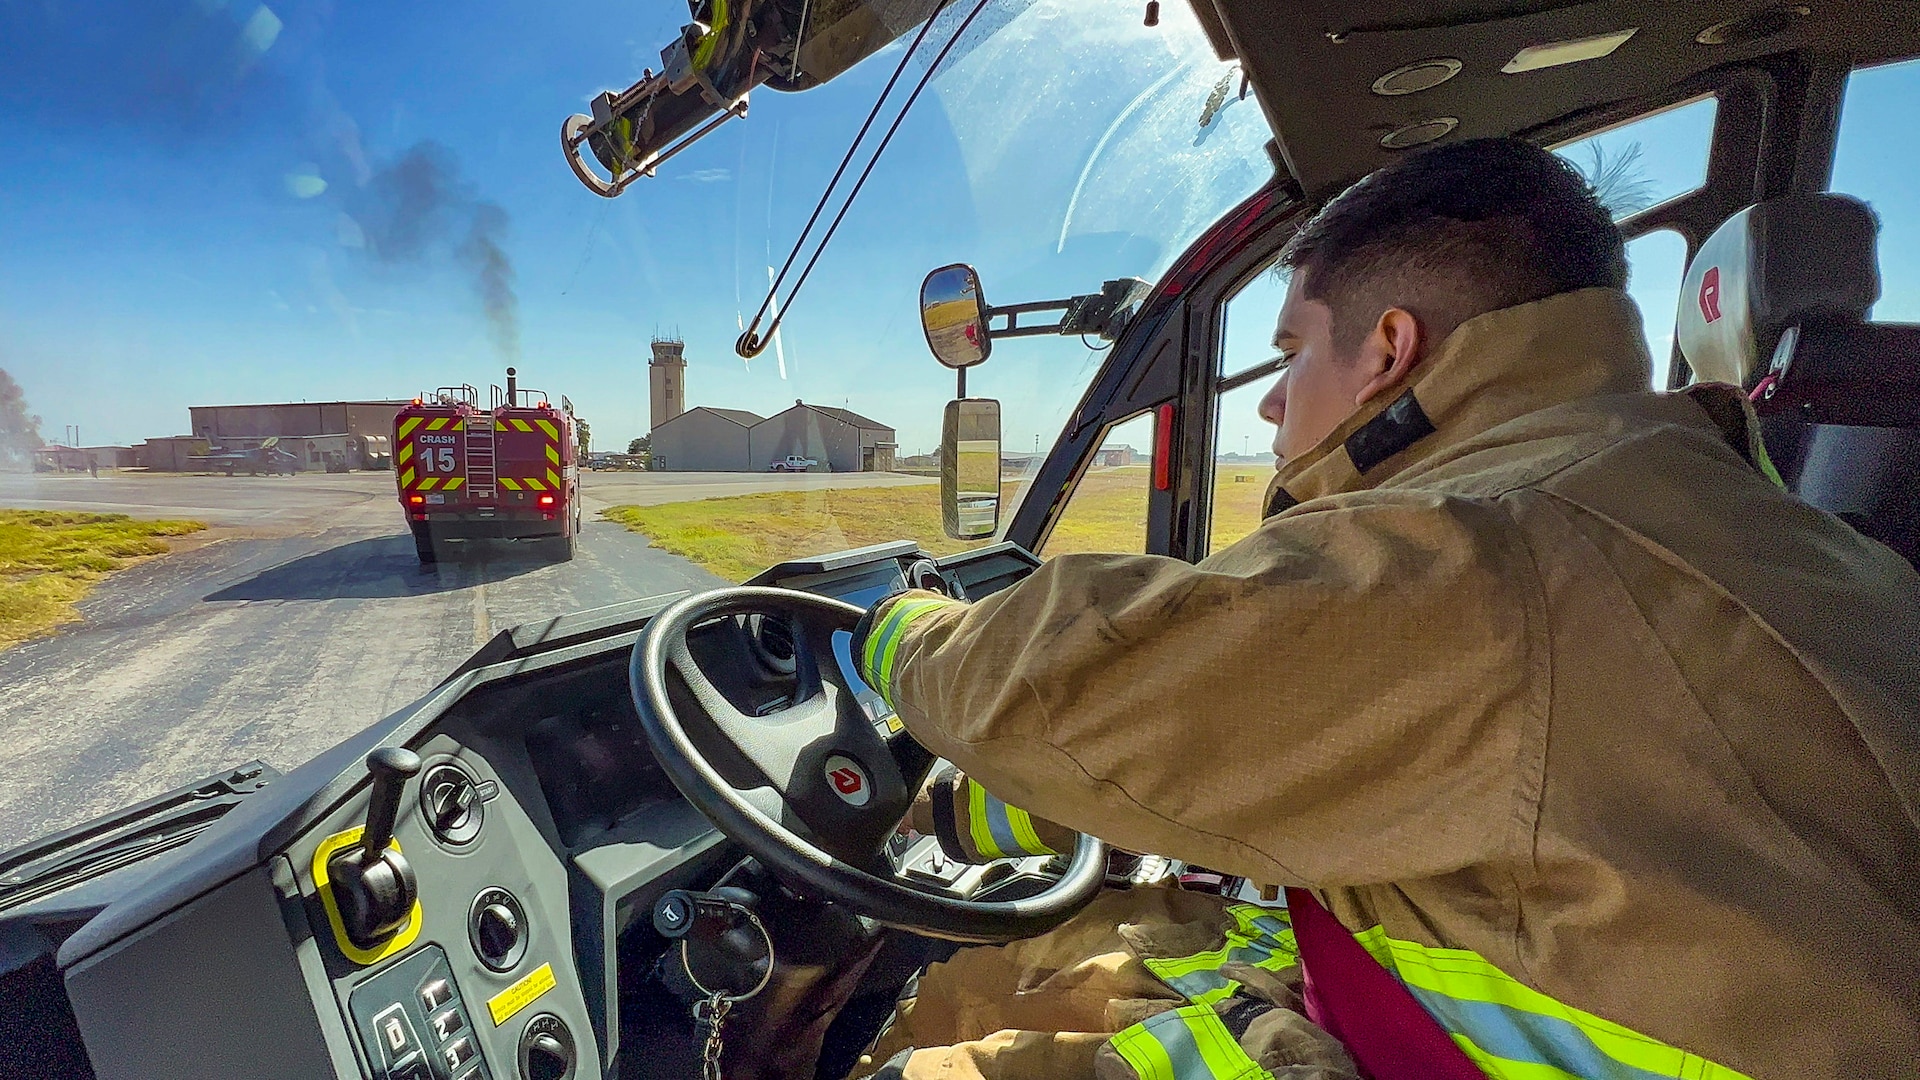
pixel 765 978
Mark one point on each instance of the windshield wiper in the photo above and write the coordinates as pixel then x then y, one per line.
pixel 124 837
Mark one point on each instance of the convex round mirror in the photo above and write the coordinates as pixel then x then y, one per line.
pixel 954 315
pixel 970 468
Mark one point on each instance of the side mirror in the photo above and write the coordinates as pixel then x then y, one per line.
pixel 954 315
pixel 970 468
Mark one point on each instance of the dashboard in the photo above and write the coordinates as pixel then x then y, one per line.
pixel 540 832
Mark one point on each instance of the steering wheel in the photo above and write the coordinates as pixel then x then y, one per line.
pixel 815 789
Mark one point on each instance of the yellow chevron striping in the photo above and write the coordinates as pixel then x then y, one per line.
pixel 554 479
pixel 428 483
pixel 547 426
pixel 533 484
pixel 553 453
pixel 406 453
pixel 438 422
pixel 501 425
pixel 406 478
pixel 522 424
pixel 509 483
pixel 452 482
pixel 409 424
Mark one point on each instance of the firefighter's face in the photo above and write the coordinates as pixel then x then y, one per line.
pixel 1321 385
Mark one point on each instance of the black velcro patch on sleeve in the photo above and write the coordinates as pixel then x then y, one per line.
pixel 1403 424
pixel 1281 502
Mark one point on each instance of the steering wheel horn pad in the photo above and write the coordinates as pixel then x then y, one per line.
pixel 841 787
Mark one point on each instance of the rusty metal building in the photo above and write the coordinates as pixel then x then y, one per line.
pixel 228 426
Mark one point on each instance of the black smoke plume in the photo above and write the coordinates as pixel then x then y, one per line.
pixel 418 208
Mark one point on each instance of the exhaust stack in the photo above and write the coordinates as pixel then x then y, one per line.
pixel 513 394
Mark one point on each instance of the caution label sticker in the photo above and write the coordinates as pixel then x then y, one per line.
pixel 521 994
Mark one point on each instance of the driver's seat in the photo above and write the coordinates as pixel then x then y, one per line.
pixel 1776 302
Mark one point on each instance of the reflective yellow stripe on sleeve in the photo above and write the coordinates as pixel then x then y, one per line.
pixel 883 643
pixel 1000 831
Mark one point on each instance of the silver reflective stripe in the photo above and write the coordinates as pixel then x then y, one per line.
pixel 1188 1043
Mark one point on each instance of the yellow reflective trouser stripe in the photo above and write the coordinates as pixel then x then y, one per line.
pixel 1260 937
pixel 1000 831
pixel 409 424
pixel 1514 1032
pixel 1188 1043
pixel 883 644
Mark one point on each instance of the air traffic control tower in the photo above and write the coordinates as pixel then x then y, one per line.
pixel 668 379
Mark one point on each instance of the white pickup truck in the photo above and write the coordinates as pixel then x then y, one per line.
pixel 793 463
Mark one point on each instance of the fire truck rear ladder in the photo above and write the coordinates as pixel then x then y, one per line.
pixel 480 466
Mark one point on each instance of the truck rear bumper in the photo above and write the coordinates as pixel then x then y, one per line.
pixel 499 527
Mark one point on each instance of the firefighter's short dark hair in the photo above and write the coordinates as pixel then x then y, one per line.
pixel 1455 231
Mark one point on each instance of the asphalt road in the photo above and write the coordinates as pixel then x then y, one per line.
pixel 299 618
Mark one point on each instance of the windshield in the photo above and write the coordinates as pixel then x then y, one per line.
pixel 243 237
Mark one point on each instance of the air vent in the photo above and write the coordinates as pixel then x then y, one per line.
pixel 1417 76
pixel 1415 134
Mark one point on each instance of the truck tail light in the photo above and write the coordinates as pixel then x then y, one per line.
pixel 546 500
pixel 416 500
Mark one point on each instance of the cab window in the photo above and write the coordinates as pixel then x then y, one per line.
pixel 1107 511
pixel 1874 162
pixel 1243 443
pixel 1641 164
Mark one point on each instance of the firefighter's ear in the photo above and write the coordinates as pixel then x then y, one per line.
pixel 1391 353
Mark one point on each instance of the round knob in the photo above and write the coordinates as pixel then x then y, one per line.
pixel 546 1049
pixel 547 1058
pixel 499 930
pixel 450 803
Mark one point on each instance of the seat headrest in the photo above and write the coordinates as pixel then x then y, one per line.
pixel 1774 265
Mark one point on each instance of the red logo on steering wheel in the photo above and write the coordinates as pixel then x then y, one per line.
pixel 849 780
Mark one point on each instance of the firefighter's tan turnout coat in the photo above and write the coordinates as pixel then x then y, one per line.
pixel 1607 746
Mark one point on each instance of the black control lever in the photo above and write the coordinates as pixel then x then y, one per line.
pixel 392 767
pixel 373 886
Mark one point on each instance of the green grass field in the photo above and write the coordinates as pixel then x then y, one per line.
pixel 738 537
pixel 49 559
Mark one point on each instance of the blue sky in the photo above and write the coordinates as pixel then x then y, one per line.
pixel 191 200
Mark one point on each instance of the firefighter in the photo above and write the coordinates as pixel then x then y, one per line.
pixel 1596 739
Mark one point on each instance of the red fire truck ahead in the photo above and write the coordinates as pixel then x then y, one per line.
pixel 468 473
